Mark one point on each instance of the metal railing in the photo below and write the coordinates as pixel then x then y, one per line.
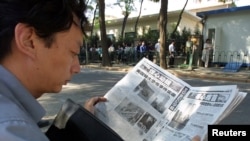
pixel 220 58
pixel 224 57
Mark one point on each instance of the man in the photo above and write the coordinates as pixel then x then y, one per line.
pixel 157 48
pixel 171 49
pixel 40 42
pixel 143 50
pixel 111 51
pixel 138 54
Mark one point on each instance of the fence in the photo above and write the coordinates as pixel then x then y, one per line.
pixel 116 57
pixel 218 58
pixel 221 58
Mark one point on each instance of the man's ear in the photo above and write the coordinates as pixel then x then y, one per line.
pixel 24 38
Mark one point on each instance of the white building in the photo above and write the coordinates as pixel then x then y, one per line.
pixel 230 33
pixel 150 21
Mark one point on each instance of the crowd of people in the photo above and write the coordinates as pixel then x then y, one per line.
pixel 128 53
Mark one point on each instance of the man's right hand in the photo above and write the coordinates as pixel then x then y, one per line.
pixel 90 104
pixel 196 138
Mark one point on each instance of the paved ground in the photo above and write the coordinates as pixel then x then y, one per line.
pixel 84 85
pixel 215 73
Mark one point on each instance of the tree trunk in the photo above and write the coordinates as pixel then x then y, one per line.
pixel 180 16
pixel 124 23
pixel 93 21
pixel 105 56
pixel 163 30
pixel 137 20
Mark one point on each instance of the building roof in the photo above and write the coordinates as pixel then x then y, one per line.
pixel 155 16
pixel 221 11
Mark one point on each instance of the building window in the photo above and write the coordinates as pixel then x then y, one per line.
pixel 155 32
pixel 111 36
pixel 130 35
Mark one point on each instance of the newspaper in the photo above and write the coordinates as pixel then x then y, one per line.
pixel 151 104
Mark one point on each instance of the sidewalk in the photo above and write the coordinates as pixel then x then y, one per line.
pixel 204 73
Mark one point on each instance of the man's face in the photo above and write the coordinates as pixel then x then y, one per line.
pixel 58 63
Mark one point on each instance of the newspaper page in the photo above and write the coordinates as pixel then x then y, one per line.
pixel 151 104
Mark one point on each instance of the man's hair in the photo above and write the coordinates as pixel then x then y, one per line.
pixel 46 16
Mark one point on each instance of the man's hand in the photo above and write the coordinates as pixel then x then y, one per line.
pixel 89 104
pixel 196 138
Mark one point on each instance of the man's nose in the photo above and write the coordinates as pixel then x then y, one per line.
pixel 76 66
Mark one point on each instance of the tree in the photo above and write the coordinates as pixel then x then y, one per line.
pixel 128 7
pixel 90 8
pixel 93 20
pixel 224 1
pixel 180 17
pixel 137 19
pixel 105 56
pixel 162 23
pixel 162 32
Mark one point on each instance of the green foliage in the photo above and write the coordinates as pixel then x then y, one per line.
pixel 119 41
pixel 128 5
pixel 93 40
pixel 176 35
pixel 222 1
pixel 150 36
pixel 185 34
pixel 97 23
pixel 197 30
pixel 126 40
pixel 155 0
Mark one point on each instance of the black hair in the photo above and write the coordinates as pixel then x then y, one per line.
pixel 46 16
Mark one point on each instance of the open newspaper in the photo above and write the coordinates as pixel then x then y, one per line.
pixel 151 104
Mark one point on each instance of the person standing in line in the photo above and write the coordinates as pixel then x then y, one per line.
pixel 99 52
pixel 207 48
pixel 151 51
pixel 171 49
pixel 134 53
pixel 120 52
pixel 157 51
pixel 111 51
pixel 143 50
pixel 138 53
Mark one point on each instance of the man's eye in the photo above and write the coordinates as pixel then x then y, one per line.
pixel 75 54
